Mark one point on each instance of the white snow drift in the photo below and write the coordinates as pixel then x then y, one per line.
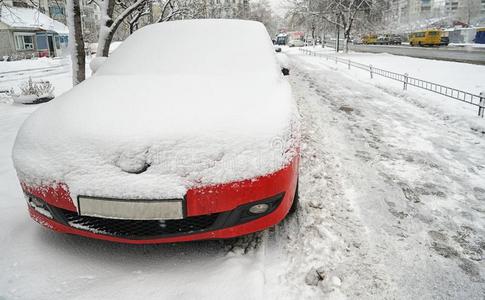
pixel 189 117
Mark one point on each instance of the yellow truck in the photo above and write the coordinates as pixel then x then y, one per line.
pixel 429 37
pixel 370 39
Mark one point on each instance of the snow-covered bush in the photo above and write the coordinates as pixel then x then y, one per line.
pixel 33 92
pixel 6 96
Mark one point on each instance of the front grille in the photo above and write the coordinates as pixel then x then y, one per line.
pixel 139 228
pixel 149 229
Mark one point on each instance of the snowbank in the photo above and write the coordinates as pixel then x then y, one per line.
pixel 467 77
pixel 463 76
pixel 203 120
pixel 28 65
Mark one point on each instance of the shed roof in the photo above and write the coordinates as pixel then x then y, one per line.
pixel 29 18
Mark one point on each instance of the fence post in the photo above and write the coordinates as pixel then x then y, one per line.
pixel 481 108
pixel 336 60
pixel 405 87
pixel 371 72
pixel 349 64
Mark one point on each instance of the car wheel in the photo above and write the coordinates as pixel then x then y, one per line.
pixel 296 198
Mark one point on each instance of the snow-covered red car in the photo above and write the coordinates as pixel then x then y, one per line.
pixel 188 131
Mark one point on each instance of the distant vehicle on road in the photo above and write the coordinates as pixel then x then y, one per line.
pixel 445 40
pixel 429 37
pixel 357 41
pixel 296 43
pixel 198 145
pixel 383 40
pixel 395 39
pixel 369 39
pixel 296 38
pixel 387 39
pixel 281 39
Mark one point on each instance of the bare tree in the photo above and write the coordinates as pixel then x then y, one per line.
pixel 133 20
pixel 109 23
pixel 115 12
pixel 182 9
pixel 340 13
pixel 76 43
pixel 261 11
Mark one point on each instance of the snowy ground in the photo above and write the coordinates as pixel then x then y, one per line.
pixel 392 206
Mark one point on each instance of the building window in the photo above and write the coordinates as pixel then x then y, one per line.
pixel 483 6
pixel 57 11
pixel 452 5
pixel 24 41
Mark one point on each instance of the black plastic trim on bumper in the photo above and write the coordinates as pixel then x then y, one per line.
pixel 153 229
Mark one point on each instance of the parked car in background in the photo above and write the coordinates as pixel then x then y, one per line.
pixel 383 40
pixel 296 43
pixel 152 150
pixel 445 40
pixel 357 41
pixel 309 41
pixel 395 39
pixel 296 39
pixel 281 39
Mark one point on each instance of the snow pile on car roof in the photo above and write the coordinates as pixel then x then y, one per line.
pixel 155 134
pixel 198 47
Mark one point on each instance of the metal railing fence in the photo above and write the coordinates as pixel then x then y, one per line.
pixel 470 98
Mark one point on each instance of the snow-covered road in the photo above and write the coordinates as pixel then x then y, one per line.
pixel 392 205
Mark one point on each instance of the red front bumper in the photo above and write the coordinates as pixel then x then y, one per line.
pixel 223 198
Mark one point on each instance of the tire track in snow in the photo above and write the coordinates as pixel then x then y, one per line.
pixel 326 233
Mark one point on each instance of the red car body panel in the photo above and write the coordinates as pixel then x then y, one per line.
pixel 57 196
pixel 199 201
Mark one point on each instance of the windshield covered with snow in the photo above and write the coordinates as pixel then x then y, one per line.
pixel 195 47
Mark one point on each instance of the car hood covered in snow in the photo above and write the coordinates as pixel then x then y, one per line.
pixel 176 132
pixel 161 116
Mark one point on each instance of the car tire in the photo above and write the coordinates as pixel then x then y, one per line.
pixel 296 198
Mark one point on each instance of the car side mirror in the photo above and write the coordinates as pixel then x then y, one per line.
pixel 277 49
pixel 96 63
pixel 285 71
